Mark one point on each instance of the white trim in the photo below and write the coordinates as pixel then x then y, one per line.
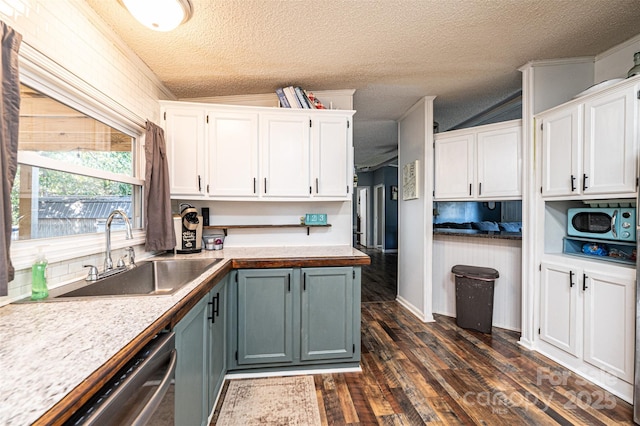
pixel 617 48
pixel 41 73
pixel 60 249
pixel 563 61
pixel 412 309
pixel 33 159
pixel 280 373
pixel 389 250
pixel 378 199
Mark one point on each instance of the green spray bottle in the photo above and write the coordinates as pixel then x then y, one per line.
pixel 39 289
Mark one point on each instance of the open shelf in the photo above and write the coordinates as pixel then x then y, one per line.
pixel 296 225
pixel 573 246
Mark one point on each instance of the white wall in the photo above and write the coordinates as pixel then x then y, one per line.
pixel 617 61
pixel 500 254
pixel 415 227
pixel 339 216
pixel 68 39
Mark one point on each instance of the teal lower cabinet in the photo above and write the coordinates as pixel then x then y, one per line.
pixel 191 383
pixel 296 317
pixel 201 362
pixel 265 315
pixel 327 314
pixel 217 320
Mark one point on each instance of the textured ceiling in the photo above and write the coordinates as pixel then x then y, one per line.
pixel 393 52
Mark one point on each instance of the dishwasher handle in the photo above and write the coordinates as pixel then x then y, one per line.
pixel 151 406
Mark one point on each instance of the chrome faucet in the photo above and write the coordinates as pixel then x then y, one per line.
pixel 108 263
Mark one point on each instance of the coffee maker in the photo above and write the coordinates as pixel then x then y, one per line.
pixel 188 228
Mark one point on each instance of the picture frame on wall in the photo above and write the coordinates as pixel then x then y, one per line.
pixel 410 181
pixel 394 192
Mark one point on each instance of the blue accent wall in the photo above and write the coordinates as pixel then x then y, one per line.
pixel 388 176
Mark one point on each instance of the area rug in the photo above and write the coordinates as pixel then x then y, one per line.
pixel 270 401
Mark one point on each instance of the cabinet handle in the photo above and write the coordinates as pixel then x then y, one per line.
pixel 584 282
pixel 207 188
pixel 265 185
pixel 469 189
pixel 316 185
pixel 254 185
pixel 289 283
pixel 573 183
pixel 216 309
pixel 199 184
pixel 304 281
pixel 480 188
pixel 584 181
pixel 571 283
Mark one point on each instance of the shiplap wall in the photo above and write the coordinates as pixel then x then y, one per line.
pixel 500 254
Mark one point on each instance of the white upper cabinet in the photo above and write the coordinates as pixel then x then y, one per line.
pixel 589 146
pixel 499 162
pixel 609 139
pixel 239 153
pixel 233 154
pixel 184 136
pixel 285 155
pixel 332 168
pixel 454 166
pixel 482 162
pixel 561 150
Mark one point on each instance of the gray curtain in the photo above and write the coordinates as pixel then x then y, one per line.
pixel 159 222
pixel 10 105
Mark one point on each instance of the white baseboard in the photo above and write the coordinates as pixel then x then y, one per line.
pixel 414 310
pixel 255 375
pixel 389 250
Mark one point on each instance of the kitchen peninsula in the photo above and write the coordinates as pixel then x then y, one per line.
pixel 80 344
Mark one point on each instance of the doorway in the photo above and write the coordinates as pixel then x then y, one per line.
pixel 362 226
pixel 378 216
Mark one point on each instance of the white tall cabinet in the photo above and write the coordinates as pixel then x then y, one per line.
pixel 586 304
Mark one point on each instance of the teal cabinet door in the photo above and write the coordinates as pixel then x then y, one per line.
pixel 265 315
pixel 327 313
pixel 191 383
pixel 217 339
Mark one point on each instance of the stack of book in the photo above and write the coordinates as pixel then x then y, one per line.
pixel 296 97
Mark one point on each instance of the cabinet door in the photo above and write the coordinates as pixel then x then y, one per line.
pixel 184 136
pixel 191 384
pixel 265 315
pixel 610 132
pixel 331 154
pixel 285 155
pixel 609 303
pixel 498 163
pixel 454 167
pixel 233 154
pixel 217 339
pixel 327 313
pixel 561 152
pixel 559 307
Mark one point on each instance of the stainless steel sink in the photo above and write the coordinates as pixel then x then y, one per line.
pixel 152 277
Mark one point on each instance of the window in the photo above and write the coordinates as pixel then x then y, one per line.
pixel 73 171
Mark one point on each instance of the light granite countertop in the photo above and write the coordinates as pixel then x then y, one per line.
pixel 49 348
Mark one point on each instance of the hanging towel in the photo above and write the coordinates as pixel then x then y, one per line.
pixel 159 221
pixel 10 106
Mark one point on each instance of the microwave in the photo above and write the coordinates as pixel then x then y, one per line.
pixel 608 223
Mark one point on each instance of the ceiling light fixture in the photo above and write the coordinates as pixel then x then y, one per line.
pixel 160 15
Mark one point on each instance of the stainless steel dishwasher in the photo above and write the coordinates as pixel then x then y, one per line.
pixel 140 393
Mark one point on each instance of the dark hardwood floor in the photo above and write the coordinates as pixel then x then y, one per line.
pixel 379 280
pixel 415 373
